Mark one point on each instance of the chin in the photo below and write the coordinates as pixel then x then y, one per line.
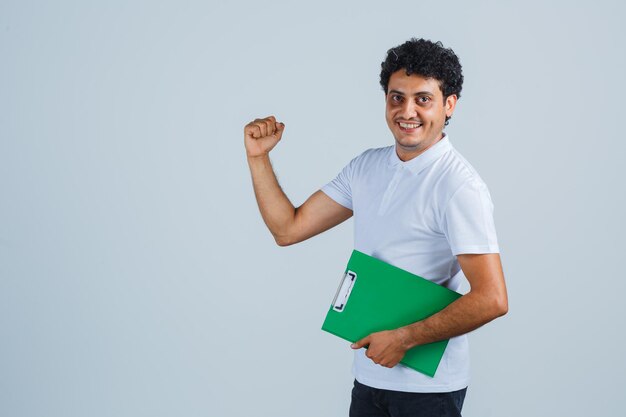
pixel 409 143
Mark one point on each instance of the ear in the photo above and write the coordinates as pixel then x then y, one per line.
pixel 450 104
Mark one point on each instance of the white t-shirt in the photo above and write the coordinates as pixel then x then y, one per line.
pixel 417 215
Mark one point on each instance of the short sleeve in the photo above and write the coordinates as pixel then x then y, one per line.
pixel 468 220
pixel 340 188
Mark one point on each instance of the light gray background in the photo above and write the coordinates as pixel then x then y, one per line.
pixel 137 277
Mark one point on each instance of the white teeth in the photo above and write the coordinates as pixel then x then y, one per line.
pixel 409 125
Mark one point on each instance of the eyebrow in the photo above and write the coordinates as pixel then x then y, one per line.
pixel 419 93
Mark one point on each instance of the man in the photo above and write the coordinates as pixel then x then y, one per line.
pixel 418 205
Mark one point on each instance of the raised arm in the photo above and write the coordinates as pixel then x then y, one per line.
pixel 287 223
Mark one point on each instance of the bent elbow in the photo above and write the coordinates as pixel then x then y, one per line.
pixel 501 307
pixel 495 307
pixel 283 241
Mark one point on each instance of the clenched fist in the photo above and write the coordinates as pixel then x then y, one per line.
pixel 261 135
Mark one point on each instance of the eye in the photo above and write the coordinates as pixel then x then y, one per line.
pixel 423 99
pixel 395 98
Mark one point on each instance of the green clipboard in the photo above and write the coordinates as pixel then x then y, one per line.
pixel 375 296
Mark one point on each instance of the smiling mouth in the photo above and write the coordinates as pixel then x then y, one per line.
pixel 409 126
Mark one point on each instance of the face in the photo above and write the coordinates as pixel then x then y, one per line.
pixel 416 112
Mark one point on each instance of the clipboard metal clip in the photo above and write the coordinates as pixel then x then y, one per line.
pixel 343 292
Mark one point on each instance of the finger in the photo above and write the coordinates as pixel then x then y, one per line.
pixel 384 362
pixel 269 123
pixel 389 364
pixel 280 127
pixel 361 343
pixel 262 126
pixel 253 130
pixel 270 126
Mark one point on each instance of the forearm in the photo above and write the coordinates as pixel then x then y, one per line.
pixel 277 211
pixel 462 316
pixel 469 312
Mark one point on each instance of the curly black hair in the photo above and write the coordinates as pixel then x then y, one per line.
pixel 428 59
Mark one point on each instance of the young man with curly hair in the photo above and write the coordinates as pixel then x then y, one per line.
pixel 418 205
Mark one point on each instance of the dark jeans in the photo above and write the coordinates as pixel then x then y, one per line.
pixel 374 402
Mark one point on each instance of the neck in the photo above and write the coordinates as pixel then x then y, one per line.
pixel 406 153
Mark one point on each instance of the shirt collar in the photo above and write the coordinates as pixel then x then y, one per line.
pixel 417 164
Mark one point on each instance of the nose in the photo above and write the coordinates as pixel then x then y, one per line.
pixel 409 108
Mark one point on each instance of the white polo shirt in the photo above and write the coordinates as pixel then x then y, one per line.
pixel 417 215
